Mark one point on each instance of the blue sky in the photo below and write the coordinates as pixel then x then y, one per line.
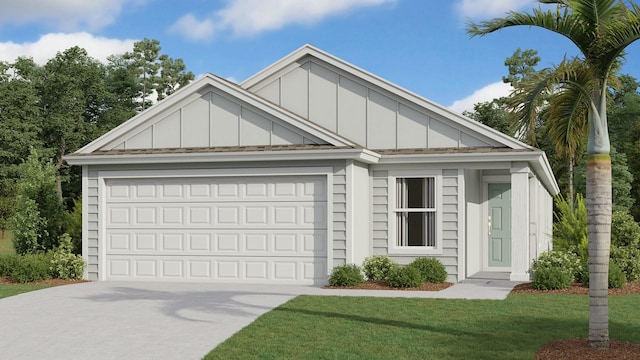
pixel 420 45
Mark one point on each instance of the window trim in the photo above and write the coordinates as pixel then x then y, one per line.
pixel 392 230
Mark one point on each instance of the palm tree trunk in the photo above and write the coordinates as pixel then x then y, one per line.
pixel 598 202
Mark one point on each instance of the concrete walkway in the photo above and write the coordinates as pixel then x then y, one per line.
pixel 126 320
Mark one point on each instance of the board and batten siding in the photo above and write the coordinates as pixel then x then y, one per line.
pixel 450 217
pixel 360 111
pixel 94 205
pixel 211 118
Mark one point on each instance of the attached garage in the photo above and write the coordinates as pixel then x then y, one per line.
pixel 226 228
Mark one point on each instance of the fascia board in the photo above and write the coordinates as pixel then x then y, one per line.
pixel 465 122
pixel 362 155
pixel 536 159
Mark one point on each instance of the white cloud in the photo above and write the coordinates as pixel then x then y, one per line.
pixel 491 8
pixel 250 17
pixel 487 93
pixel 64 14
pixel 48 45
pixel 192 28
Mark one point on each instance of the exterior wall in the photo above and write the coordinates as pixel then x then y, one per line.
pixel 450 231
pixel 541 219
pixel 92 225
pixel 360 111
pixel 211 118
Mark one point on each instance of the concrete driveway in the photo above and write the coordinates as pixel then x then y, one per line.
pixel 134 320
pixel 109 320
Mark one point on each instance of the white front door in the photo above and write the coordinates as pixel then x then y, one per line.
pixel 263 229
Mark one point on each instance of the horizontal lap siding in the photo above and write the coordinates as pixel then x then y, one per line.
pixel 380 212
pixel 339 215
pixel 93 226
pixel 450 207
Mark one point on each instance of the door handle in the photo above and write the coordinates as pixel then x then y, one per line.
pixel 489 224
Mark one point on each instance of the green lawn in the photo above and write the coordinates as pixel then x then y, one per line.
pixel 15 289
pixel 315 327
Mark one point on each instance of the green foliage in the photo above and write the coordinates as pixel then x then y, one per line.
pixel 570 227
pixel 625 231
pixel 431 269
pixel 551 278
pixel 617 278
pixel 346 275
pixel 8 262
pixel 38 218
pixel 73 225
pixel 628 260
pixel 493 114
pixel 405 277
pixel 564 260
pixel 32 267
pixel 28 226
pixel 64 263
pixel 377 267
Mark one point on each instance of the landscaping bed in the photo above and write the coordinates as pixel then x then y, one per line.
pixel 382 285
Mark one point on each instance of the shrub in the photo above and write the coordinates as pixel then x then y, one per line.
pixel 570 227
pixel 346 275
pixel 628 259
pixel 551 278
pixel 405 277
pixel 32 267
pixel 377 267
pixel 73 225
pixel 562 259
pixel 65 264
pixel 617 278
pixel 7 263
pixel 625 231
pixel 431 269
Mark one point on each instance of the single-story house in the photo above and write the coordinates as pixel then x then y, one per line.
pixel 309 164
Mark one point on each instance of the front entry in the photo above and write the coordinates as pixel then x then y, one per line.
pixel 499 251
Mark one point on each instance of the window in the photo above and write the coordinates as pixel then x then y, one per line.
pixel 416 212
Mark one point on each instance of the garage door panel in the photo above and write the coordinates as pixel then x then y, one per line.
pixel 256 229
pixel 227 269
pixel 302 243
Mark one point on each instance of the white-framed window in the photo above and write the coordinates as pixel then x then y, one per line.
pixel 415 213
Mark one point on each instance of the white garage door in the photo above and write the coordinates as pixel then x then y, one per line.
pixel 219 229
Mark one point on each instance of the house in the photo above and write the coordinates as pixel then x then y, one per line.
pixel 309 164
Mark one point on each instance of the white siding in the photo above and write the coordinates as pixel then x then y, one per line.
pixel 361 111
pixel 214 119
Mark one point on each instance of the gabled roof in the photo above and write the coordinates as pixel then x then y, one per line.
pixel 193 90
pixel 308 50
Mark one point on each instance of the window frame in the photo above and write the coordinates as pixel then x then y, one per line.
pixel 392 244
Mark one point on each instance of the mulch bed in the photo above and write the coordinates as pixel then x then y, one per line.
pixel 381 285
pixel 50 282
pixel 578 289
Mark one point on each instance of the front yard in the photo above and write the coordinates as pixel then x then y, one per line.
pixel 309 327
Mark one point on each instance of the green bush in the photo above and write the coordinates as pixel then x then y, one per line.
pixel 376 267
pixel 562 259
pixel 551 278
pixel 65 264
pixel 405 277
pixel 628 259
pixel 8 263
pixel 617 278
pixel 431 269
pixel 625 231
pixel 73 225
pixel 32 267
pixel 346 275
pixel 570 227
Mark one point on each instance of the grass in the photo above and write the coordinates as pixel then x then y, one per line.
pixel 6 242
pixel 309 327
pixel 7 290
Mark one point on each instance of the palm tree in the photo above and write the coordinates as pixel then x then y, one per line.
pixel 601 29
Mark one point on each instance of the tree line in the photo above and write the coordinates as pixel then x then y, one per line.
pixel 53 109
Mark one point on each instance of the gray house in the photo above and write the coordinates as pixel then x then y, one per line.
pixel 311 163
